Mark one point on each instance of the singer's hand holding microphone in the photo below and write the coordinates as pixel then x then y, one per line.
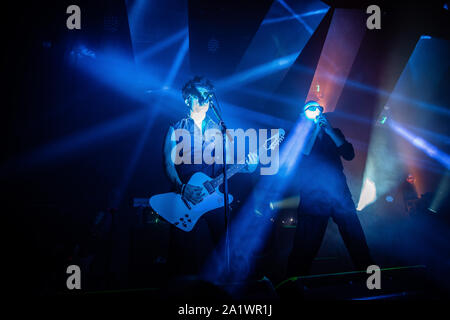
pixel 324 124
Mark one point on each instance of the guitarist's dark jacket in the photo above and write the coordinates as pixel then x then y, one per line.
pixel 185 171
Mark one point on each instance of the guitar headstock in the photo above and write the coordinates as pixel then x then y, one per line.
pixel 275 140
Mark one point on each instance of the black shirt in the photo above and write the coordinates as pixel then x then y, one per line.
pixel 321 176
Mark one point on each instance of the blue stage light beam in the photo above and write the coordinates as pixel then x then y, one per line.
pixel 441 138
pixel 441 193
pixel 120 73
pixel 251 117
pixel 256 212
pixel 420 143
pixel 177 62
pixel 296 16
pixel 151 119
pixel 269 96
pixel 134 9
pixel 160 46
pixel 257 72
pixel 64 147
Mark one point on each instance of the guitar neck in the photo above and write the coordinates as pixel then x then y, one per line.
pixel 231 171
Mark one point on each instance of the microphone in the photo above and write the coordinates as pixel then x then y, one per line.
pixel 317 119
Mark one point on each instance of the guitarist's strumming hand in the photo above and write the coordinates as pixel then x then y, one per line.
pixel 193 193
pixel 252 162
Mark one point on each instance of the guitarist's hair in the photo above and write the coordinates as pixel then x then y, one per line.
pixel 190 88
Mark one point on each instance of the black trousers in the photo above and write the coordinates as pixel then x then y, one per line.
pixel 190 251
pixel 311 226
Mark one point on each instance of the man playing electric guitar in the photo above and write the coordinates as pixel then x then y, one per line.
pixel 188 250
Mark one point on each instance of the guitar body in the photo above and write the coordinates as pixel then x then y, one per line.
pixel 175 210
pixel 172 208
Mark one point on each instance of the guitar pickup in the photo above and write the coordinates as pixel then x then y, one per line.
pixel 209 187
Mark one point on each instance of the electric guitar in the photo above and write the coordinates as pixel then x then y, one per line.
pixel 183 214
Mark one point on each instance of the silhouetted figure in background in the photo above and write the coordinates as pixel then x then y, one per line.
pixel 409 194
